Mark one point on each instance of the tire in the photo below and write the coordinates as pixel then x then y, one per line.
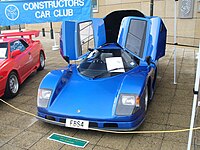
pixel 155 77
pixel 12 85
pixel 42 61
pixel 146 99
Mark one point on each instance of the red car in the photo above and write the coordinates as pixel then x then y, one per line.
pixel 19 57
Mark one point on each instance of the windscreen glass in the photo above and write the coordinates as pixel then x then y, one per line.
pixel 3 50
pixel 136 37
pixel 106 63
pixel 86 36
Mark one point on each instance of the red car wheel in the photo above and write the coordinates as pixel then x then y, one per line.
pixel 12 85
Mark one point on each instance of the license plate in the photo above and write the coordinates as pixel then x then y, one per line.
pixel 74 123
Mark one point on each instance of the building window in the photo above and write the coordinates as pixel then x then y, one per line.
pixel 95 5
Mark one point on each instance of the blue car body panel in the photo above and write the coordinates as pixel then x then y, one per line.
pixel 158 35
pixel 74 88
pixel 97 98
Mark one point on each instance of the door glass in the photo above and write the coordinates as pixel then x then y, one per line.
pixel 136 37
pixel 86 36
pixel 17 45
pixel 3 50
pixel 24 43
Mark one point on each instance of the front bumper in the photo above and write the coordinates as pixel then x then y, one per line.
pixel 103 125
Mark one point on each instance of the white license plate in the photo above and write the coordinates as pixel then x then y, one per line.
pixel 74 123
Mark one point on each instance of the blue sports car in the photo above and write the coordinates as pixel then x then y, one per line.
pixel 111 75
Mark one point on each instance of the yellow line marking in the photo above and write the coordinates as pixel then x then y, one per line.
pixel 108 131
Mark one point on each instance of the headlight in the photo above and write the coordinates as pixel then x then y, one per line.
pixel 127 104
pixel 128 100
pixel 43 97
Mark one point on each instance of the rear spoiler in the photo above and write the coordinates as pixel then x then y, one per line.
pixel 25 33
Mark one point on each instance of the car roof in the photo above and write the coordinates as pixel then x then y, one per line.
pixel 3 40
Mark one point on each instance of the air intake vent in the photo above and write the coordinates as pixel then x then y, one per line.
pixel 110 125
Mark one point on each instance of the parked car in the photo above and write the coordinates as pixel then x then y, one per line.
pixel 110 86
pixel 19 57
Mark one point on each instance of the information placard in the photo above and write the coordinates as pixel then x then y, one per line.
pixel 68 140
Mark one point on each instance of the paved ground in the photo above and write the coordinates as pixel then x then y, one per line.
pixel 170 109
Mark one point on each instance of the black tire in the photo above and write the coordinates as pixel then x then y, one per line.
pixel 155 77
pixel 42 61
pixel 12 85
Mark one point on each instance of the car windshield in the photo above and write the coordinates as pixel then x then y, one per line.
pixel 105 63
pixel 3 50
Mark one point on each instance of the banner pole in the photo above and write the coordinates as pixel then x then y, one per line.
pixel 20 29
pixel 55 47
pixel 151 7
pixel 196 89
pixel 175 42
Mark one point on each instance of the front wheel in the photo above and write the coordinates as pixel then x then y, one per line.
pixel 12 85
pixel 146 98
pixel 42 61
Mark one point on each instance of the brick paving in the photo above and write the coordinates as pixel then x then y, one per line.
pixel 170 109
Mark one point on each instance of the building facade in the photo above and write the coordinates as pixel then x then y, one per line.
pixel 188 16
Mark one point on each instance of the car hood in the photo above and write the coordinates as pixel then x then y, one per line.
pixel 85 98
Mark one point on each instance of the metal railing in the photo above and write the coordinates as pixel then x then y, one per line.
pixel 195 100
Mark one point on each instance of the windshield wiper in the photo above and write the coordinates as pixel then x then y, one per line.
pixel 110 71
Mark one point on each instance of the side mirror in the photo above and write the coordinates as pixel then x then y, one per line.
pixel 15 53
pixel 148 60
pixel 90 49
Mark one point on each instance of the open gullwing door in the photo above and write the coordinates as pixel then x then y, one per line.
pixel 77 37
pixel 143 37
